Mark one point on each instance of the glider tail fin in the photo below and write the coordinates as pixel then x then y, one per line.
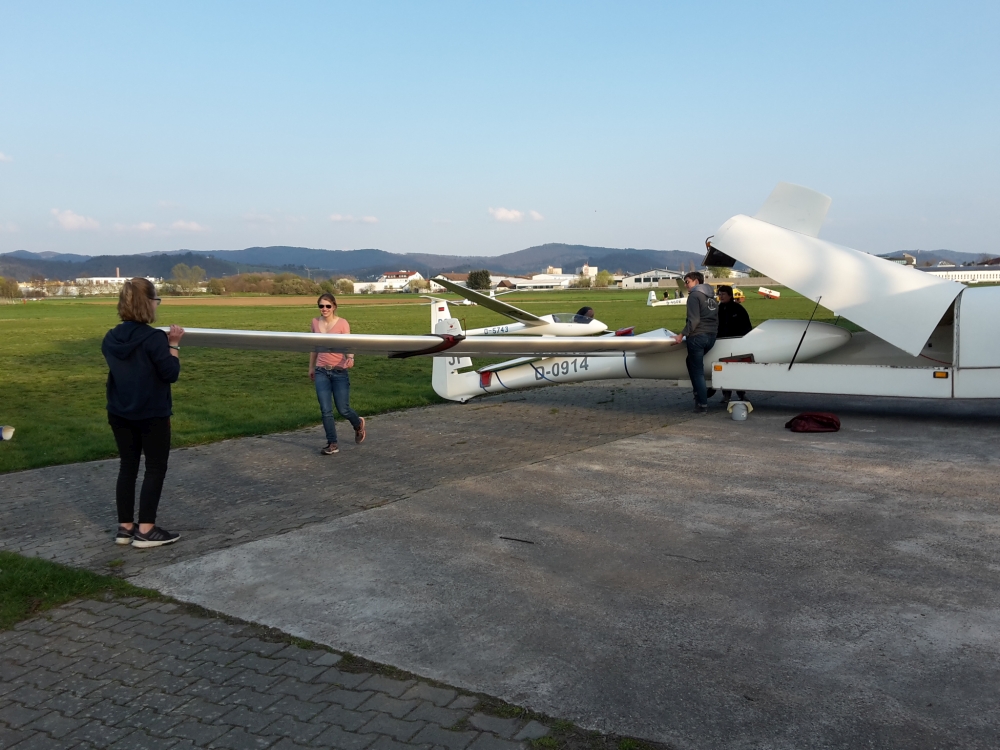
pixel 451 384
pixel 446 379
pixel 651 298
pixel 439 312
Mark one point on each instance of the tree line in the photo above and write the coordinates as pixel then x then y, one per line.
pixel 9 289
pixel 184 278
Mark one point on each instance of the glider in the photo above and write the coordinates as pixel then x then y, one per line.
pixel 676 301
pixel 923 336
pixel 525 323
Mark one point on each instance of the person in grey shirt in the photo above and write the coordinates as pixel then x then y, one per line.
pixel 701 328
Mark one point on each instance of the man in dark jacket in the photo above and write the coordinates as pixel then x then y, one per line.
pixel 734 321
pixel 701 329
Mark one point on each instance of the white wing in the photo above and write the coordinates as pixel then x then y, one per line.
pixel 898 304
pixel 492 303
pixel 795 207
pixel 411 346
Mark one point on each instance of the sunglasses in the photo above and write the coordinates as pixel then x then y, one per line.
pixel 157 300
pixel 325 307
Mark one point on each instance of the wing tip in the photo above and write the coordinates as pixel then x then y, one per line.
pixel 795 207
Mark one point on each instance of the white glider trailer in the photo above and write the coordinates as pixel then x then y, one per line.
pixel 923 336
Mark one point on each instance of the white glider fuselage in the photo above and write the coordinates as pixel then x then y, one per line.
pixel 773 341
pixel 559 324
pixel 651 301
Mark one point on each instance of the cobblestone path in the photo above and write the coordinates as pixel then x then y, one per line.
pixel 143 674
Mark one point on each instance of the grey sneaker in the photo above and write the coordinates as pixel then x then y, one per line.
pixel 330 449
pixel 701 409
pixel 155 537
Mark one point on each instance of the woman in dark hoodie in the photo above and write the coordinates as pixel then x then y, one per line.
pixel 143 362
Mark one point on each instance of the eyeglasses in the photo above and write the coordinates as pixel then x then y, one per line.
pixel 157 300
pixel 325 307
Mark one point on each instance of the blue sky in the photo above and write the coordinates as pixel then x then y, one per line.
pixel 484 128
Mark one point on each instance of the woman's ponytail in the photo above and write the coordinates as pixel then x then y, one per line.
pixel 134 299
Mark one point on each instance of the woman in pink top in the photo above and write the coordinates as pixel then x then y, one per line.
pixel 329 372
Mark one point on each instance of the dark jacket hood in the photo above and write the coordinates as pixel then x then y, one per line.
pixel 123 339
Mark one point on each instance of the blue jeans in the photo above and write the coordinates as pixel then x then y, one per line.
pixel 334 387
pixel 698 346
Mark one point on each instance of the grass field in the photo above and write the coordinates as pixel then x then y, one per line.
pixel 52 373
pixel 29 586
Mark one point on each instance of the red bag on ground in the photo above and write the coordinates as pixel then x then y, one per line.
pixel 814 421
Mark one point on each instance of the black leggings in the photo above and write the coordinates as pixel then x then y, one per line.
pixel 135 437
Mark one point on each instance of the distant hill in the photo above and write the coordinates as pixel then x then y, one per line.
pixel 22 268
pixel 363 264
pixel 369 263
pixel 568 257
pixel 49 255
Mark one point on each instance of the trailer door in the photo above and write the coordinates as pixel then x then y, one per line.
pixel 977 345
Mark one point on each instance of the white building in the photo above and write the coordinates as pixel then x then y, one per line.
pixel 109 283
pixel 394 281
pixel 656 277
pixel 966 274
pixel 587 270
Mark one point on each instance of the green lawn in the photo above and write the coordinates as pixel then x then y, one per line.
pixel 29 585
pixel 52 373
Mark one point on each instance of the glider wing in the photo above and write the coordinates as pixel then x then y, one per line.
pixel 898 304
pixel 491 303
pixel 411 346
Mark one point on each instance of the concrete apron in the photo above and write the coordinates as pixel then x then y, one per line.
pixel 709 584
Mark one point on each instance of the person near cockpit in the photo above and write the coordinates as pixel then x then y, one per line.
pixel 701 329
pixel 734 322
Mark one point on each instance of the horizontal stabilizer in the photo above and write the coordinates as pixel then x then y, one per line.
pixel 500 367
pixel 795 207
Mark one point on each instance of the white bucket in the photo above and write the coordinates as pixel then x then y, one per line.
pixel 739 410
pixel 6 433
